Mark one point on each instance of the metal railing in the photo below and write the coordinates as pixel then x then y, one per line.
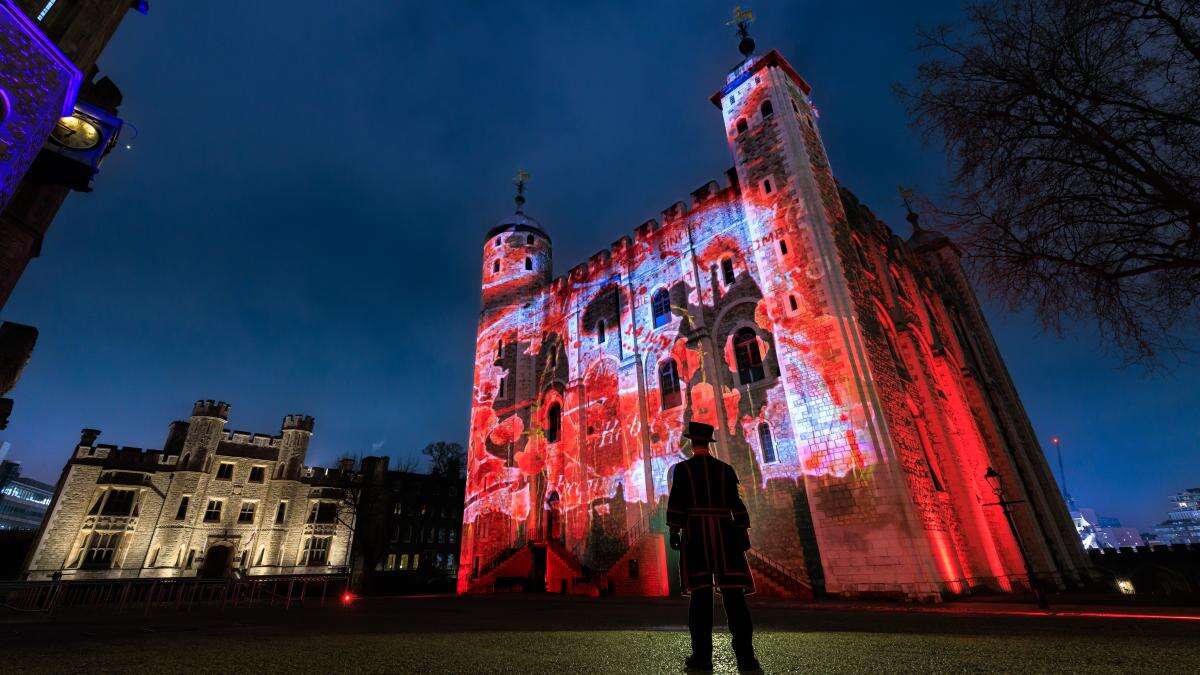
pixel 778 573
pixel 179 593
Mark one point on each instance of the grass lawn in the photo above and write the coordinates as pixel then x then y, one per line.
pixel 642 651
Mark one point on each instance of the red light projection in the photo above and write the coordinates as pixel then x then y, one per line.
pixel 812 340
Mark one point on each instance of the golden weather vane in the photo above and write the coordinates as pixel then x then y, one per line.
pixel 742 19
pixel 519 180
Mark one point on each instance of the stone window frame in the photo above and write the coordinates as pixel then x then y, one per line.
pixel 221 469
pixel 660 313
pixel 253 513
pixel 766 439
pixel 185 504
pixel 317 545
pixel 666 367
pixel 219 511
pixel 281 510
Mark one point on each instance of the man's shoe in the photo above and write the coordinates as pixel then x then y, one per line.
pixel 694 662
pixel 750 665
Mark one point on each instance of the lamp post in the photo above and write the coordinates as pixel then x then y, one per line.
pixel 993 479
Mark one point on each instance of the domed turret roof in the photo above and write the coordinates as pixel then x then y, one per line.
pixel 517 222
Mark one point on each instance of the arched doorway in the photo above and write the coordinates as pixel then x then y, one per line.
pixel 216 562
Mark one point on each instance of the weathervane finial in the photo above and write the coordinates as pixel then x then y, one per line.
pixel 742 18
pixel 521 178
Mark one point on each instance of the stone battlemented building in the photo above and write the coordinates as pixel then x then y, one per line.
pixel 851 377
pixel 211 501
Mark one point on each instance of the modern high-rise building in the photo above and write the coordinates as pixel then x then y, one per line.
pixel 851 376
pixel 1096 531
pixel 1182 525
pixel 23 501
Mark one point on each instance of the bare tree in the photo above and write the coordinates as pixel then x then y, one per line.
pixel 1074 132
pixel 446 459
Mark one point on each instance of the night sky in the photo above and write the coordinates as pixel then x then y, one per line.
pixel 298 225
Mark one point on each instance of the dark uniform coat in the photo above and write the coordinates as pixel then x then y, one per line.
pixel 705 505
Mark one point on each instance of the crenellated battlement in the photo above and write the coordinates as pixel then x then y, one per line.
pixel 298 422
pixel 701 197
pixel 211 408
pixel 125 456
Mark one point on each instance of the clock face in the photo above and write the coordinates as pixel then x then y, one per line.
pixel 76 133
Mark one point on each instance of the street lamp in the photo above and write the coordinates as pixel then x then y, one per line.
pixel 994 481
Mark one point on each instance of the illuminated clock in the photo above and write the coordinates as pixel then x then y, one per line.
pixel 76 133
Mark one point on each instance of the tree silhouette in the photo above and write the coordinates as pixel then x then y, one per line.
pixel 1074 132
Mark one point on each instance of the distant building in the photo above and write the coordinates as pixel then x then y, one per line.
pixel 1182 525
pixel 1096 531
pixel 23 501
pixel 211 503
pixel 408 529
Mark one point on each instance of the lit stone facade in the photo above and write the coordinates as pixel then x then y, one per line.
pixel 211 503
pixel 851 377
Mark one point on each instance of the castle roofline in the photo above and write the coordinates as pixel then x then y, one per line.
pixel 771 58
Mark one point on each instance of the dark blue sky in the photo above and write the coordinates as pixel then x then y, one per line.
pixel 298 226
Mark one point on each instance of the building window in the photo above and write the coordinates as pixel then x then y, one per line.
pixel 46 9
pixel 500 348
pixel 225 471
pixel 323 513
pixel 453 536
pixel 668 384
pixel 660 307
pixel 502 387
pixel 794 108
pixel 391 562
pixel 403 561
pixel 262 551
pixel 766 443
pixel 416 560
pixel 782 247
pixel 767 188
pixel 528 263
pixel 212 514
pixel 316 551
pixel 767 109
pixel 181 513
pixel 281 513
pixel 498 240
pixel 118 503
pixel 742 126
pixel 496 266
pixel 246 515
pixel 600 331
pixel 749 359
pixel 792 303
pixel 101 549
pixel 258 474
pixel 727 271
pixel 529 239
pixel 553 422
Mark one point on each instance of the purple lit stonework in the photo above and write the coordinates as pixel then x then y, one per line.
pixel 38 85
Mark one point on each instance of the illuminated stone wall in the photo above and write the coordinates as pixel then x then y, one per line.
pixel 158 538
pixel 813 339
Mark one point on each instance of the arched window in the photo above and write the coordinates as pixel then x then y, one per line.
pixel 767 187
pixel 660 307
pixel 766 443
pixel 496 266
pixel 529 239
pixel 749 359
pixel 528 263
pixel 600 331
pixel 668 384
pixel 727 271
pixel 742 126
pixel 767 109
pixel 553 422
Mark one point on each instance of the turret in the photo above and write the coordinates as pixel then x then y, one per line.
pixel 293 446
pixel 517 260
pixel 203 434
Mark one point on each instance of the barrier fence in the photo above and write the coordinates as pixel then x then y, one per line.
pixel 146 595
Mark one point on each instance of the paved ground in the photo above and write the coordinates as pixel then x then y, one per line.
pixel 533 634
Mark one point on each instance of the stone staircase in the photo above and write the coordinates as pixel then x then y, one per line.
pixel 774 580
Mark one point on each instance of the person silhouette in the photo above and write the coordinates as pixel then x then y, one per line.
pixel 709 527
